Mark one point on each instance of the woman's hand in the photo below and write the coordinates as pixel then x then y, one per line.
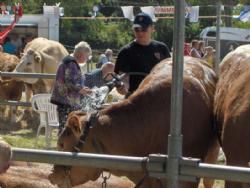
pixel 85 91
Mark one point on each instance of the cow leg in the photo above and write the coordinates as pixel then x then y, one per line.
pixel 211 157
pixel 12 114
pixel 28 92
pixel 2 111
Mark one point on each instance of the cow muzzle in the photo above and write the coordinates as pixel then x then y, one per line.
pixel 60 177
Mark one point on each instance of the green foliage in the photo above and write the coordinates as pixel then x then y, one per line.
pixel 192 31
pixel 114 33
pixel 245 2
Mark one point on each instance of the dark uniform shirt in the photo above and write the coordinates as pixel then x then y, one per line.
pixel 138 60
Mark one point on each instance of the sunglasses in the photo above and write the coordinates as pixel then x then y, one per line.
pixel 143 29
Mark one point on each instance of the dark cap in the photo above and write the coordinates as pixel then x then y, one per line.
pixel 142 20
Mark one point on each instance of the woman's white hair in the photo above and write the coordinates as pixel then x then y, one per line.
pixel 83 46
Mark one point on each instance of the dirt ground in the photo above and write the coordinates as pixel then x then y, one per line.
pixel 34 175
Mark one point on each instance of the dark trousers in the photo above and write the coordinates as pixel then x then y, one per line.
pixel 63 112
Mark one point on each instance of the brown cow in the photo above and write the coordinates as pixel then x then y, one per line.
pixel 5 151
pixel 232 108
pixel 10 89
pixel 139 125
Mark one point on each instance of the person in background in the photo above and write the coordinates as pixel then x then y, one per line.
pixel 201 48
pixel 104 58
pixel 69 84
pixel 26 40
pixel 209 56
pixel 17 42
pixel 8 47
pixel 86 54
pixel 99 76
pixel 139 56
pixel 187 49
pixel 1 48
pixel 194 49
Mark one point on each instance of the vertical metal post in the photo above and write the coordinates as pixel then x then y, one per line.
pixel 175 137
pixel 218 20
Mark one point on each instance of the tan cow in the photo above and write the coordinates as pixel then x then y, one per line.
pixel 41 56
pixel 232 108
pixel 139 125
pixel 10 89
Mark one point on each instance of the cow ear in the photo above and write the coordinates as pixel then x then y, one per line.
pixel 37 57
pixel 30 51
pixel 75 125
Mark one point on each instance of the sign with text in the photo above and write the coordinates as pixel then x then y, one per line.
pixel 168 10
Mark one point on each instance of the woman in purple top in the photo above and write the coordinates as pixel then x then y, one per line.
pixel 69 83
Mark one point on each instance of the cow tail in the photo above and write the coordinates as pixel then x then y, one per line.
pixel 216 129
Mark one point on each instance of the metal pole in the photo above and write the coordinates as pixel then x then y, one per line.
pixel 175 137
pixel 231 173
pixel 28 75
pixel 15 103
pixel 155 164
pixel 80 159
pixel 218 20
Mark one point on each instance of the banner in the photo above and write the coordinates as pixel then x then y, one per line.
pixel 164 10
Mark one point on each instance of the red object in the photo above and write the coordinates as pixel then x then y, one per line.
pixel 6 31
pixel 187 49
pixel 18 11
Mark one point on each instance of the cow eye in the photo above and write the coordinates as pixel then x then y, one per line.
pixel 28 63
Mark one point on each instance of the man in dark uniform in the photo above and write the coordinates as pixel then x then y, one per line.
pixel 139 56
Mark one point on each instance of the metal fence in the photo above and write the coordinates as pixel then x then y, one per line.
pixel 189 169
pixel 172 167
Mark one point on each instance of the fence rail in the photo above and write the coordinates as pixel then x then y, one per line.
pixel 155 164
pixel 28 75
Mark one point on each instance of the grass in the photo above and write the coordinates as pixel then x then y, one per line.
pixel 26 138
pixel 23 133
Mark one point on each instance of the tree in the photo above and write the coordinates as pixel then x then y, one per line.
pixel 115 33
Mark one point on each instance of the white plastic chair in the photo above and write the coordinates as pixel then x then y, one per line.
pixel 48 115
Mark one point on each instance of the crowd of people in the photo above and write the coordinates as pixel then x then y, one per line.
pixel 135 60
pixel 74 81
pixel 199 50
pixel 14 44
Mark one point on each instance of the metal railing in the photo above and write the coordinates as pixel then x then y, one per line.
pixel 190 169
pixel 23 75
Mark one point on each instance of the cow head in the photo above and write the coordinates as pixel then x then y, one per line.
pixel 31 62
pixel 68 138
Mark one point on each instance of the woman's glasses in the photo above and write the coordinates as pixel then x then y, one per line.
pixel 140 29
